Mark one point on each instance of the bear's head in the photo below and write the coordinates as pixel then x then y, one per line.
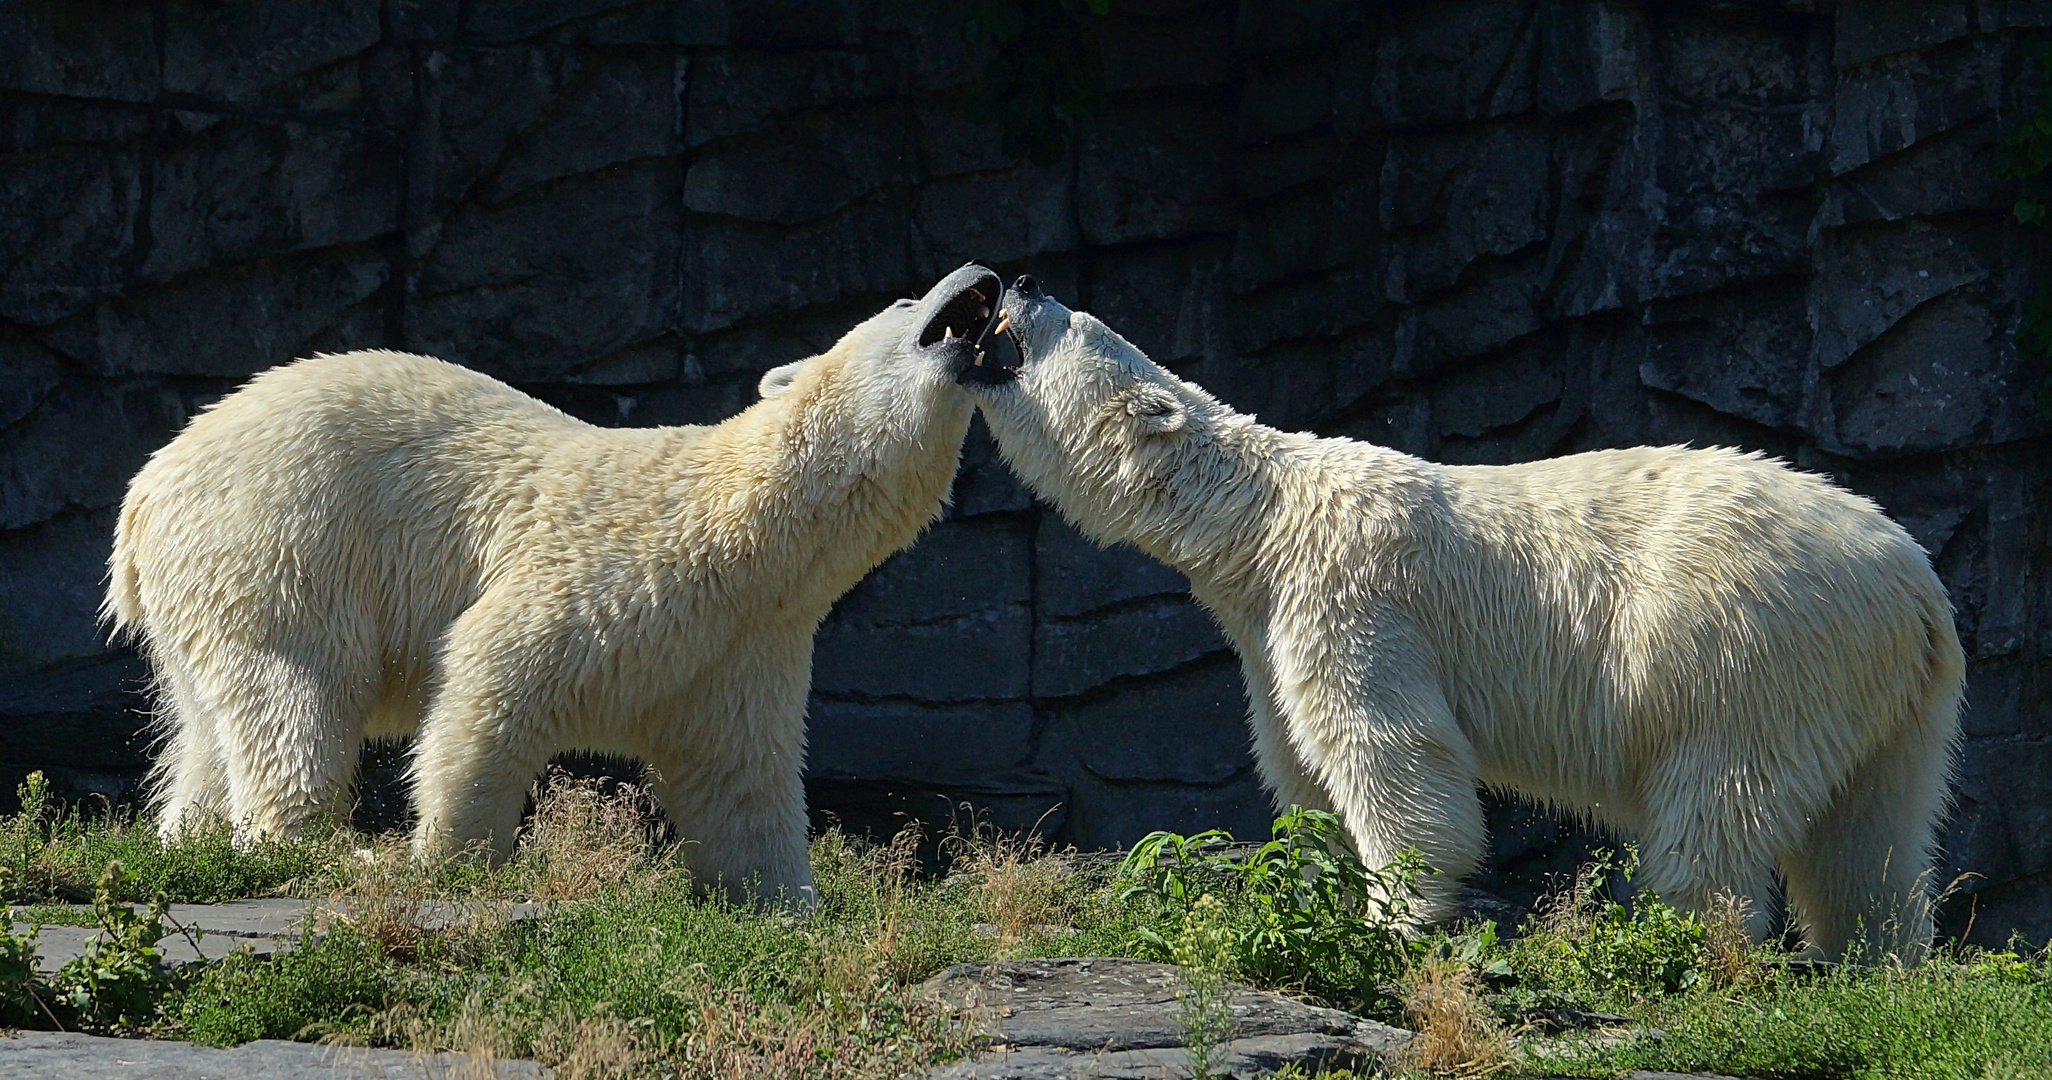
pixel 894 374
pixel 1125 449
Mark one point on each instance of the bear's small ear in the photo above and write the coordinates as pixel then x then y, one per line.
pixel 778 379
pixel 1158 409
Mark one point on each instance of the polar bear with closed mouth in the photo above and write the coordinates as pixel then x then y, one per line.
pixel 378 544
pixel 1744 666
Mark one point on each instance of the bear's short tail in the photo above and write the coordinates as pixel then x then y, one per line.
pixel 121 611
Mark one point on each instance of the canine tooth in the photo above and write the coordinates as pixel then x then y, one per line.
pixel 947 333
pixel 1004 320
pixel 983 313
pixel 979 359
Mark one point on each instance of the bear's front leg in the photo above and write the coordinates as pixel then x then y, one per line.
pixel 730 771
pixel 489 730
pixel 1365 713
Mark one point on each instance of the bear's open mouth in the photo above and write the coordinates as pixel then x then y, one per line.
pixel 961 329
pixel 965 316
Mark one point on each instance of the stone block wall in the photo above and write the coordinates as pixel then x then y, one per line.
pixel 1478 230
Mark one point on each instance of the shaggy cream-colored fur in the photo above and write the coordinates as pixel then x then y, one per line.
pixel 1743 665
pixel 375 544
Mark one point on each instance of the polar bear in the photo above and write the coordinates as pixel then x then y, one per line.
pixel 1743 665
pixel 375 544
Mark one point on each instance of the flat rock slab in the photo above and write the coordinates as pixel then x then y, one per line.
pixel 1118 1018
pixel 57 1055
pixel 265 927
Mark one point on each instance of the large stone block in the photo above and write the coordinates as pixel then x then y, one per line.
pixel 1169 45
pixel 1498 393
pixel 547 282
pixel 735 92
pixel 1186 727
pixel 1745 354
pixel 1735 183
pixel 1869 278
pixel 234 52
pixel 2002 827
pixel 1168 300
pixel 1942 378
pixel 104 51
pixel 1073 576
pixel 1892 103
pixel 735 270
pixel 1285 96
pixel 955 569
pixel 608 109
pixel 1074 656
pixel 70 226
pixel 1301 385
pixel 50 595
pixel 995 217
pixel 1455 61
pixel 236 320
pixel 473 104
pixel 46 467
pixel 1496 304
pixel 977 656
pixel 1945 173
pixel 1591 51
pixel 1154 169
pixel 1870 28
pixel 1458 196
pixel 1708 57
pixel 802 173
pixel 31 373
pixel 232 188
pixel 945 621
pixel 598 21
pixel 901 740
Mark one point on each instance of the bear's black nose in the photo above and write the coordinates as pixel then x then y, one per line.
pixel 1029 288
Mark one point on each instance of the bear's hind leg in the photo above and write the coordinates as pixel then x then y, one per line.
pixel 289 729
pixel 189 781
pixel 1860 882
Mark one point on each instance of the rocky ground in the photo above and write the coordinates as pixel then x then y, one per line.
pixel 1049 1019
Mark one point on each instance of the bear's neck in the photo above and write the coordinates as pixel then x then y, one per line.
pixel 801 497
pixel 1204 517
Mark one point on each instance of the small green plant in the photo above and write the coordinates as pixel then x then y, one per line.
pixel 119 977
pixel 1205 1000
pixel 19 1004
pixel 1310 914
pixel 1587 948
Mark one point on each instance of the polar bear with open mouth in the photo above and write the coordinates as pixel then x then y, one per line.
pixel 380 544
pixel 1743 665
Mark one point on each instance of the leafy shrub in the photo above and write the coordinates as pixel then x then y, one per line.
pixel 1306 912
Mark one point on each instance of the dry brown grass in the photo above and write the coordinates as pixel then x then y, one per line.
pixel 1457 1034
pixel 1729 955
pixel 731 1035
pixel 585 839
pixel 1021 885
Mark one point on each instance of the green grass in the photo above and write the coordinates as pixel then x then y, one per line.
pixel 631 973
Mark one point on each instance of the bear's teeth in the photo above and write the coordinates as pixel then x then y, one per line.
pixel 1004 320
pixel 947 333
pixel 983 313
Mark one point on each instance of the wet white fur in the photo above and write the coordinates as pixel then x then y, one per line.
pixel 376 544
pixel 1742 665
